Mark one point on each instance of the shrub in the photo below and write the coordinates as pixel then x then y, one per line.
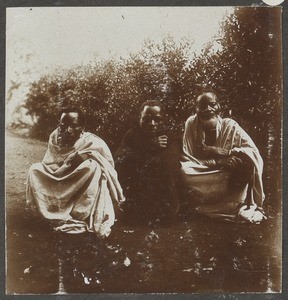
pixel 245 74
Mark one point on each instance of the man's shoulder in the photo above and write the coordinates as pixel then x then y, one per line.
pixel 229 122
pixel 131 140
pixel 133 132
pixel 92 136
pixel 54 132
pixel 233 125
pixel 192 118
pixel 86 134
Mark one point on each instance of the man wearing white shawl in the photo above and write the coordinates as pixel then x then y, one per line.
pixel 76 182
pixel 222 167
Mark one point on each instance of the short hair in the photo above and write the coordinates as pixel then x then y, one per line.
pixel 152 103
pixel 67 110
pixel 206 95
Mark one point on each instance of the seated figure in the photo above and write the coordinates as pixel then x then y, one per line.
pixel 148 164
pixel 222 168
pixel 76 183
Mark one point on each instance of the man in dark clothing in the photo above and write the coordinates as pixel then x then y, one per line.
pixel 148 165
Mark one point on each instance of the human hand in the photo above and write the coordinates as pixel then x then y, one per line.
pixel 215 151
pixel 76 159
pixel 229 162
pixel 162 141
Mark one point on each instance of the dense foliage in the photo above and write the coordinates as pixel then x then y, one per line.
pixel 247 73
pixel 110 93
pixel 244 72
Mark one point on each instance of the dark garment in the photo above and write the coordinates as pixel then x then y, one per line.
pixel 149 175
pixel 243 173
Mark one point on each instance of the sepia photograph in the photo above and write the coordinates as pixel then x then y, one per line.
pixel 143 150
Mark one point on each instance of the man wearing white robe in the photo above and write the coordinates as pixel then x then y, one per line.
pixel 76 182
pixel 222 167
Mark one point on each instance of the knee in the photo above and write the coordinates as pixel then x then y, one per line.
pixel 34 169
pixel 243 173
pixel 171 161
pixel 246 169
pixel 35 166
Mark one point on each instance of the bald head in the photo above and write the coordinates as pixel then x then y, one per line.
pixel 207 106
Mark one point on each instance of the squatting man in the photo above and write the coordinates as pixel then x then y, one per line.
pixel 76 182
pixel 218 167
pixel 148 165
pixel 222 167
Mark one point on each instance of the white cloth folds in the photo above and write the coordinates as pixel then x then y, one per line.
pixel 210 187
pixel 83 196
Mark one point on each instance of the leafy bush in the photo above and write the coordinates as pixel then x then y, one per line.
pixel 110 93
pixel 245 74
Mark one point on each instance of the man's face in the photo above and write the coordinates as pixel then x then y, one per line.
pixel 70 128
pixel 207 108
pixel 151 120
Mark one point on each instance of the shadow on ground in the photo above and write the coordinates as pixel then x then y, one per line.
pixel 196 254
pixel 191 256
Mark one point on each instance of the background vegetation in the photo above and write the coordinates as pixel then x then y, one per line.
pixel 244 71
pixel 242 65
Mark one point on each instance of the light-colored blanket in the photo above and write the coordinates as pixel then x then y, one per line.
pixel 230 136
pixel 81 196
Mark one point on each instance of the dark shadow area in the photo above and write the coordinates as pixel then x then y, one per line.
pixel 193 254
pixel 196 255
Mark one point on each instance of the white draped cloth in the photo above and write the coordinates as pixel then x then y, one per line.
pixel 209 188
pixel 82 196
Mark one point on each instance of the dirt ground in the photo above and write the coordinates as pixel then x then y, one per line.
pixel 193 255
